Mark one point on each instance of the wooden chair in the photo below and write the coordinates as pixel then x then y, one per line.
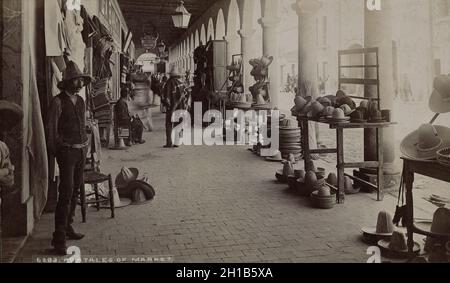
pixel 92 176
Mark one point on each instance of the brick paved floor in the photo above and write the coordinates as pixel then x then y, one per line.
pixel 220 204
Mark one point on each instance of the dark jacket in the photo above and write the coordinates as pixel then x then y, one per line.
pixel 67 123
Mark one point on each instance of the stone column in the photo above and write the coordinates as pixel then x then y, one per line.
pixel 378 33
pixel 246 49
pixel 307 55
pixel 270 48
pixel 307 47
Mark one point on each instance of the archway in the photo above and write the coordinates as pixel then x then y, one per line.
pixel 202 34
pixel 210 32
pixel 220 25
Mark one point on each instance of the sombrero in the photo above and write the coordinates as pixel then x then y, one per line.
pixel 396 246
pixel 73 72
pixel 440 97
pixel 118 202
pixel 141 192
pixel 275 158
pixel 384 227
pixel 11 111
pixel 424 143
pixel 125 176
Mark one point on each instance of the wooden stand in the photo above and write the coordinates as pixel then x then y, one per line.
pixel 430 169
pixel 339 150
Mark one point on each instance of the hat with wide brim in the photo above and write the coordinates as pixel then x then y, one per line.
pixel 73 72
pixel 384 245
pixel 440 97
pixel 141 192
pixel 11 111
pixel 275 158
pixel 118 201
pixel 122 181
pixel 409 144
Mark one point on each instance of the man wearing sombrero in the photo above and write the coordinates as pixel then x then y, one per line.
pixel 67 141
pixel 175 97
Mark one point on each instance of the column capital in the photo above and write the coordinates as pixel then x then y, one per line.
pixel 269 22
pixel 245 33
pixel 231 37
pixel 307 6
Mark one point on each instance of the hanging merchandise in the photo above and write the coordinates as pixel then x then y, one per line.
pixel 55 37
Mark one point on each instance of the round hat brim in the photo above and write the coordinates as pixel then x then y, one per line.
pixel 384 245
pixel 437 105
pixel 120 181
pixel 373 232
pixel 87 80
pixel 124 202
pixel 274 159
pixel 408 145
pixel 147 189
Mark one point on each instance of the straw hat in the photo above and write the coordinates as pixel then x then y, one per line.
pixel 73 72
pixel 126 176
pixel 424 143
pixel 384 227
pixel 10 112
pixel 348 186
pixel 440 98
pixel 300 103
pixel 118 202
pixel 275 158
pixel 141 192
pixel 396 246
pixel 332 179
pixel 440 225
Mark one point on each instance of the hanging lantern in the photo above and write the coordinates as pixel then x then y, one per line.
pixel 181 17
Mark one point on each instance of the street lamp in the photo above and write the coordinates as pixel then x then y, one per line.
pixel 181 17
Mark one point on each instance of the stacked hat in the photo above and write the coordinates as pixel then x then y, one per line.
pixel 397 247
pixel 383 229
pixel 322 198
pixel 290 138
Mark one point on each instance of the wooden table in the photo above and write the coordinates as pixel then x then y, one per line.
pixel 430 169
pixel 339 150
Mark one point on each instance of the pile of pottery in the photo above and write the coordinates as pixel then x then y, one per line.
pixel 241 100
pixel 290 138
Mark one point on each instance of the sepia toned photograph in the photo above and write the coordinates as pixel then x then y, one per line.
pixel 225 132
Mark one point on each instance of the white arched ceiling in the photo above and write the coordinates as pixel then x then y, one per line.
pixel 188 45
pixel 210 32
pixel 220 25
pixel 192 42
pixel 203 35
pixel 196 39
pixel 233 19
